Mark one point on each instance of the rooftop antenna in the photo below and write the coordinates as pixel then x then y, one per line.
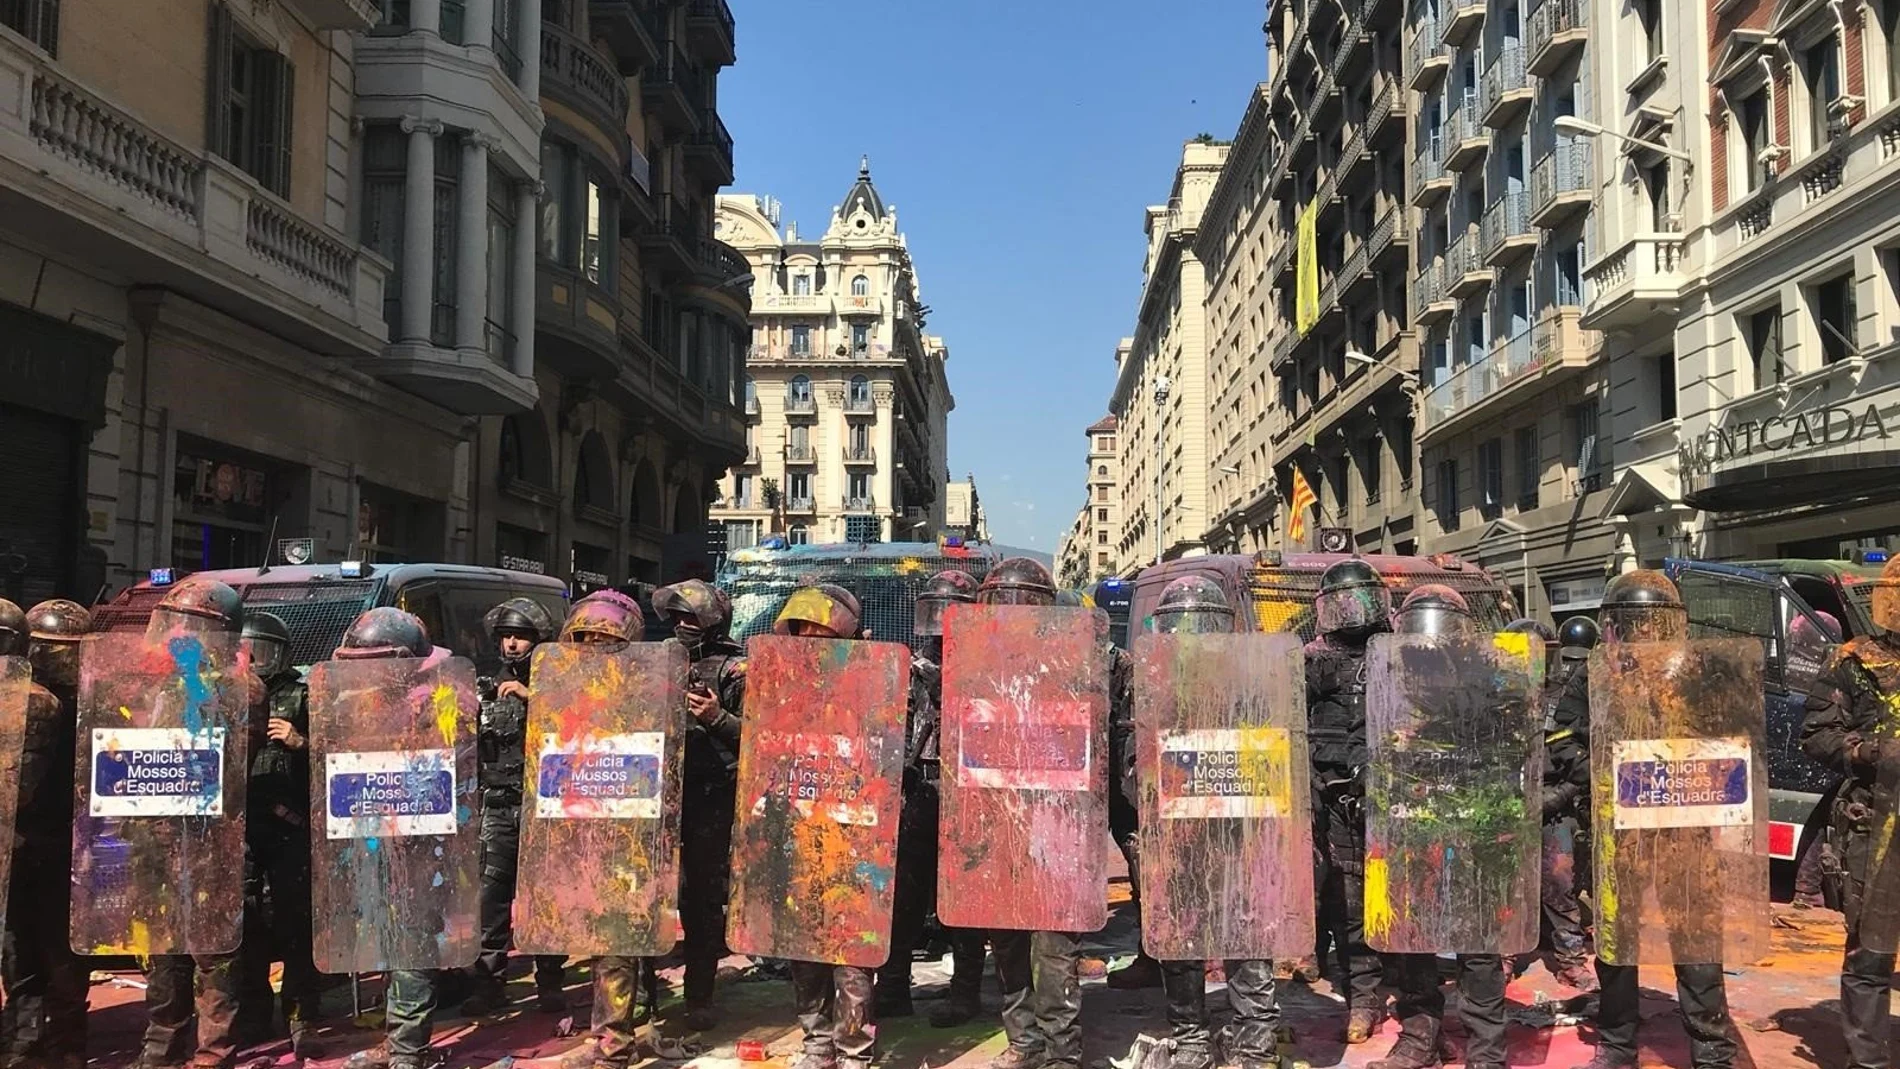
pixel 269 541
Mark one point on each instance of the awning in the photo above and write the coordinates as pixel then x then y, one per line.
pixel 1641 487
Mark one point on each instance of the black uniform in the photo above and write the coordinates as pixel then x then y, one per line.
pixel 44 1019
pixel 1567 867
pixel 1847 711
pixel 1336 732
pixel 709 785
pixel 277 867
pixel 502 743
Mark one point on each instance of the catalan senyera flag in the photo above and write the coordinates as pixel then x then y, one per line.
pixel 1303 498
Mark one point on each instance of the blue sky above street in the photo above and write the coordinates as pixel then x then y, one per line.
pixel 1019 141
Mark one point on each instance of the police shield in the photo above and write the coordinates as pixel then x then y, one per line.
pixel 1454 844
pixel 1878 923
pixel 1226 813
pixel 1680 801
pixel 158 815
pixel 821 765
pixel 16 689
pixel 395 856
pixel 600 827
pixel 1024 832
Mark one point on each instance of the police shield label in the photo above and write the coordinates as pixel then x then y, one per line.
pixel 600 834
pixel 820 787
pixel 158 826
pixel 395 871
pixel 1222 771
pixel 1024 830
pixel 1680 802
pixel 1454 842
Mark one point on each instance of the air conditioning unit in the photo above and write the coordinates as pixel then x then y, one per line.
pixel 1335 540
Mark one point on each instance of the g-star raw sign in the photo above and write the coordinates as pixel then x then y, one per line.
pixel 1823 427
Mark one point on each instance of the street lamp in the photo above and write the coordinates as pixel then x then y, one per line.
pixel 1410 378
pixel 1579 127
pixel 1162 388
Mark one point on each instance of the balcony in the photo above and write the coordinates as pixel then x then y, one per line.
pixel 1465 270
pixel 1430 303
pixel 1561 184
pixel 1507 90
pixel 1465 137
pixel 573 74
pixel 1391 237
pixel 865 305
pixel 355 15
pixel 1637 280
pixel 1507 231
pixel 721 264
pixel 859 406
pixel 1461 18
pixel 855 455
pixel 1429 59
pixel 709 28
pixel 799 506
pixel 1351 40
pixel 791 304
pixel 752 407
pixel 709 152
pixel 672 240
pixel 801 455
pixel 1557 30
pixel 672 87
pixel 752 457
pixel 865 503
pixel 1431 182
pixel 628 28
pixel 1387 107
pixel 1533 361
pixel 797 405
pixel 576 322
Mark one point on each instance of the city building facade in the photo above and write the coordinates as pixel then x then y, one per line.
pixel 847 399
pixel 1073 566
pixel 1160 400
pixel 963 515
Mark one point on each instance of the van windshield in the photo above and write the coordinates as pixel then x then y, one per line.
pixel 316 613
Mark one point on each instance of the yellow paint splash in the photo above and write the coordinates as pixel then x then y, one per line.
pixel 1265 761
pixel 446 712
pixel 1514 644
pixel 1378 898
pixel 141 941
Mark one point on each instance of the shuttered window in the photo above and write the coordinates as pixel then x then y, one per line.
pixel 248 106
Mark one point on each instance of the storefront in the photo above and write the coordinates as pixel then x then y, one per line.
pixel 223 504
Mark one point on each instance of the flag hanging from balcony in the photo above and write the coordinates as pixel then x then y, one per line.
pixel 1303 498
pixel 1306 268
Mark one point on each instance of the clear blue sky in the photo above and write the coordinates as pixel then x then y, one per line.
pixel 1020 141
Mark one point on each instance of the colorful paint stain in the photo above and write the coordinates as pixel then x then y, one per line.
pixel 820 786
pixel 1672 889
pixel 1222 771
pixel 600 819
pixel 158 826
pixel 395 857
pixel 1453 793
pixel 1024 829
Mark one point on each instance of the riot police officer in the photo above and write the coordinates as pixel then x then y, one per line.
pixel 44 1020
pixel 1644 606
pixel 1435 609
pixel 277 839
pixel 1850 728
pixel 916 889
pixel 701 617
pixel 1567 863
pixel 516 626
pixel 199 606
pixel 1352 606
pixel 1197 605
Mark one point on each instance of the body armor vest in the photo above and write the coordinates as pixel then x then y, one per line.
pixel 502 740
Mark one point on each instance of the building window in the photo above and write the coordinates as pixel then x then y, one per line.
pixel 859 390
pixel 1101 538
pixel 596 252
pixel 1371 469
pixel 801 285
pixel 506 50
pixel 447 227
pixel 1821 75
pixel 1101 493
pixel 35 20
pixel 1661 372
pixel 799 535
pixel 1530 468
pixel 859 490
pixel 557 178
pixel 742 491
pixel 1105 444
pixel 799 487
pixel 1649 14
pixel 799 389
pixel 1446 504
pixel 1835 318
pixel 742 534
pixel 1491 478
pixel 860 286
pixel 385 163
pixel 860 440
pixel 248 117
pixel 1890 40
pixel 1752 117
pixel 801 341
pixel 799 439
pixel 1101 469
pixel 1656 190
pixel 1101 515
pixel 501 260
pixel 1101 559
pixel 1592 459
pixel 1761 331
pixel 860 338
pixel 1567 270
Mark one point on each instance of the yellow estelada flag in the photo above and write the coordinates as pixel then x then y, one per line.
pixel 1303 498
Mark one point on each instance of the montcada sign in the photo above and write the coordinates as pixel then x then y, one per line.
pixel 1820 428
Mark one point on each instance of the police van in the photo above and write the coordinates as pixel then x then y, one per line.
pixel 885 576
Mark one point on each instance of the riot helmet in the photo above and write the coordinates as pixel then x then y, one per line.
pixel 1524 625
pixel 1643 606
pixel 1017 581
pixel 1884 605
pixel 946 587
pixel 825 606
pixel 1576 638
pixel 1353 600
pixel 55 631
pixel 385 632
pixel 266 643
pixel 198 605
pixel 697 610
pixel 1435 609
pixel 603 621
pixel 1193 605
pixel 1073 599
pixel 12 629
pixel 518 619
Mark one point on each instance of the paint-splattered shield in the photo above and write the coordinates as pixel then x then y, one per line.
pixel 1454 844
pixel 821 765
pixel 1226 813
pixel 600 829
pixel 1878 923
pixel 158 815
pixel 394 821
pixel 16 688
pixel 1680 800
pixel 1023 841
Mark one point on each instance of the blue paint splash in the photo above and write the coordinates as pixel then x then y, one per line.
pixel 188 659
pixel 876 875
pixel 372 844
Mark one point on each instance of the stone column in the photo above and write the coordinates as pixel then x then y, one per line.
pixel 425 15
pixel 478 23
pixel 471 246
pixel 528 44
pixel 418 229
pixel 527 213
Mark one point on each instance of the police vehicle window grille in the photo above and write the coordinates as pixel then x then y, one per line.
pixel 1721 608
pixel 886 592
pixel 130 614
pixel 316 617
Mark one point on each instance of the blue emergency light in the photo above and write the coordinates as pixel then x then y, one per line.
pixel 350 569
pixel 160 576
pixel 953 542
pixel 1873 556
pixel 772 543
